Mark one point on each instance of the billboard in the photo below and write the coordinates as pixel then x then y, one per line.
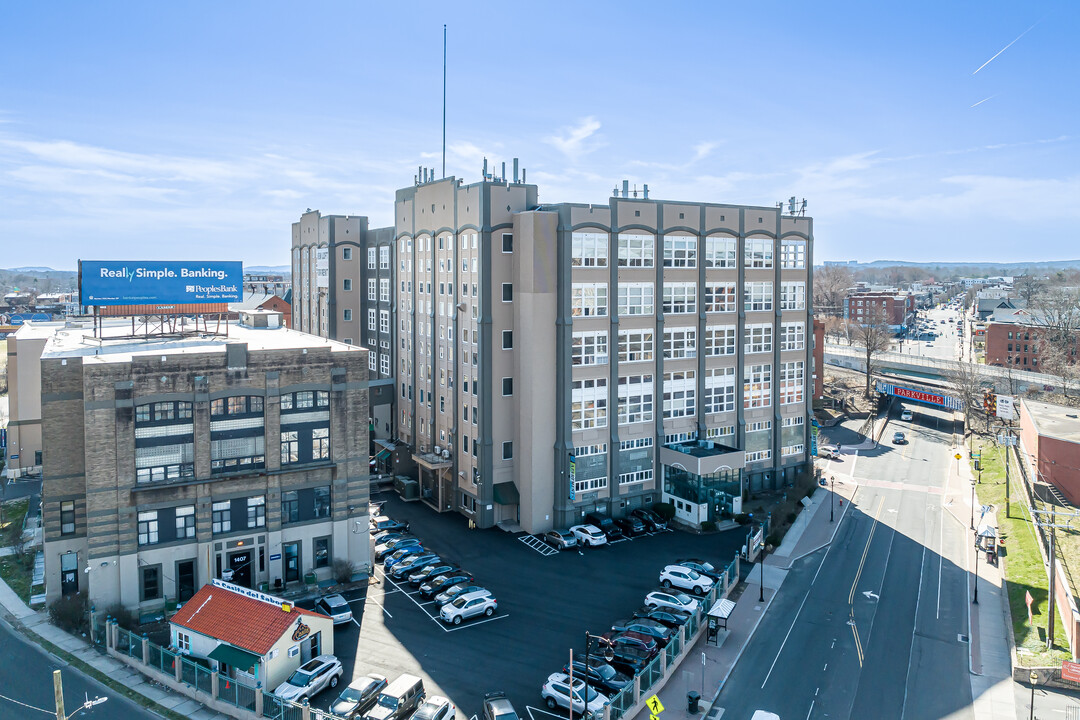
pixel 120 282
pixel 1006 410
pixel 322 267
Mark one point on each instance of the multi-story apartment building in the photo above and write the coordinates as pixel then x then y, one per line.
pixel 559 359
pixel 343 289
pixel 895 308
pixel 171 461
pixel 1012 340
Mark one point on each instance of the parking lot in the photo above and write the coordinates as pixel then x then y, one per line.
pixel 546 604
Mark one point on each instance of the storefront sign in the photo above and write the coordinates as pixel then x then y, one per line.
pixel 240 590
pixel 275 556
pixel 301 631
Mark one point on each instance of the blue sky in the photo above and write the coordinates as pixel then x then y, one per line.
pixel 202 130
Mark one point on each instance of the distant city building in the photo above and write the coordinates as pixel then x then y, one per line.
pixel 985 307
pixel 24 348
pixel 266 284
pixel 259 300
pixel 170 461
pixel 554 360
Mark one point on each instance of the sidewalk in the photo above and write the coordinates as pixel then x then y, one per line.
pixel 706 667
pixel 37 623
pixel 990 630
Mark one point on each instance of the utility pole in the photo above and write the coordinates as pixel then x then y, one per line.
pixel 58 692
pixel 1057 519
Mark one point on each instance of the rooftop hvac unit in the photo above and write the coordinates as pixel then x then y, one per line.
pixel 446 454
pixel 437 449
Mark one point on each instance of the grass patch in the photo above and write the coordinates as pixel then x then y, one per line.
pixel 91 671
pixel 11 527
pixel 1024 568
pixel 18 572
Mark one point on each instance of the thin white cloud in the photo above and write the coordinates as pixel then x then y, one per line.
pixel 573 142
pixel 1005 48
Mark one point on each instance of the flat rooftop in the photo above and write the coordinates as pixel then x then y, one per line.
pixel 76 339
pixel 1057 421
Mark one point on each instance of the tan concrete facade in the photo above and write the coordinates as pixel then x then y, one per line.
pixel 92 403
pixel 24 350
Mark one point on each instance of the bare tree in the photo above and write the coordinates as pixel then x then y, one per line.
pixel 831 284
pixel 1060 361
pixel 965 381
pixel 874 335
pixel 1028 286
pixel 1057 315
pixel 836 327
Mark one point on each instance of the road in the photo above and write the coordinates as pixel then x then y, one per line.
pixel 876 625
pixel 947 344
pixel 26 686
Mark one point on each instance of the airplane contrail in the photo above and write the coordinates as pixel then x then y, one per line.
pixel 983 100
pixel 1006 47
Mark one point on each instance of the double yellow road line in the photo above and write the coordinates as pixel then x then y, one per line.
pixel 855 582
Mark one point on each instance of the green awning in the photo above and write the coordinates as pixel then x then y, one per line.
pixel 234 656
pixel 506 493
pixel 381 454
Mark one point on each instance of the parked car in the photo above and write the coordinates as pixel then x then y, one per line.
pixel 906 415
pixel 672 600
pixel 443 583
pixel 335 607
pixel 558 693
pixel 659 632
pixel 399 699
pixel 359 696
pixel 600 675
pixel 631 526
pixel 685 579
pixel 382 522
pixel 406 567
pixel 436 708
pixel 434 570
pixel 384 549
pixel 828 453
pixel 606 525
pixel 560 539
pixel 311 678
pixel 400 554
pixel 449 594
pixel 468 605
pixel 629 660
pixel 641 643
pixel 667 616
pixel 652 521
pixel 385 536
pixel 498 707
pixel 701 567
pixel 589 535
pixel 899 438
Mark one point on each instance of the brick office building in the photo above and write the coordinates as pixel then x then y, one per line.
pixel 898 307
pixel 1012 339
pixel 1050 444
pixel 172 461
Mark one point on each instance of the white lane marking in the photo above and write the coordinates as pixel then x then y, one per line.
pixel 473 623
pixel 914 630
pixel 854 459
pixel 529 709
pixel 796 619
pixel 811 708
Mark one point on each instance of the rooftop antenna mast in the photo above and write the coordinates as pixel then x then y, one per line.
pixel 444 100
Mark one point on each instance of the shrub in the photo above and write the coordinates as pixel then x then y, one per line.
pixel 773 539
pixel 790 517
pixel 742 519
pixel 811 490
pixel 343 570
pixel 664 510
pixel 708 526
pixel 124 617
pixel 70 614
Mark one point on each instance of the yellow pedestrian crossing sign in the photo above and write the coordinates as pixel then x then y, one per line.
pixel 655 706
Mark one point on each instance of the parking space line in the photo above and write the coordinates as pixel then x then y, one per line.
pixel 476 622
pixel 529 709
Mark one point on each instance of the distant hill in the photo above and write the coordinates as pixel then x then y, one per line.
pixel 269 269
pixel 38 279
pixel 995 268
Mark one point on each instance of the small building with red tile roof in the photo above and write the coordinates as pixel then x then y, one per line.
pixel 250 634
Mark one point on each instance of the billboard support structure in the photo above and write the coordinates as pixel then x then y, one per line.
pixel 166 325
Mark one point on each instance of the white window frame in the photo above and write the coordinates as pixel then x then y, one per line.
pixel 636 399
pixel 680 394
pixel 721 297
pixel 720 340
pixel 372 292
pixel 719 390
pixel 371 258
pixel 384 364
pixel 636 298
pixel 384 257
pixel 589 249
pixel 636 346
pixel 637 250
pixel 384 321
pixel 636 476
pixel 588 403
pixel 792 336
pixel 757 338
pixel 793 295
pixel 758 296
pixel 793 254
pixel 792 382
pixel 757 386
pixel 721 251
pixel 372 320
pixel 589 348
pixel 758 252
pixel 680 251
pixel 680 298
pixel 589 299
pixel 680 343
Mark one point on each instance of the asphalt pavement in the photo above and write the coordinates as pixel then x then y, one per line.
pixel 546 604
pixel 874 626
pixel 26 686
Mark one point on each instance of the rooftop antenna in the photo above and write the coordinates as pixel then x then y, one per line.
pixel 444 100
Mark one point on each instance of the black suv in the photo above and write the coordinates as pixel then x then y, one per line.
pixel 632 526
pixel 652 521
pixel 606 525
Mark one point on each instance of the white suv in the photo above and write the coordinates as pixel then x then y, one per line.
pixel 468 605
pixel 311 678
pixel 589 535
pixel 586 701
pixel 685 579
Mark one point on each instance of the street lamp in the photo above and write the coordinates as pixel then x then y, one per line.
pixel 975 598
pixel 973 506
pixel 1034 678
pixel 609 655
pixel 832 495
pixel 761 559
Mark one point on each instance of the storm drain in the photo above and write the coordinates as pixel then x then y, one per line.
pixel 962 638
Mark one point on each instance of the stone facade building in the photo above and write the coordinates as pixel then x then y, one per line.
pixel 172 461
